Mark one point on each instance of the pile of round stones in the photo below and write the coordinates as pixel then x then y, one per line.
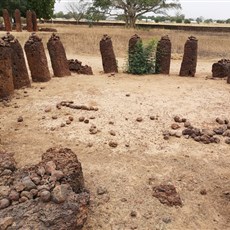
pixel 205 135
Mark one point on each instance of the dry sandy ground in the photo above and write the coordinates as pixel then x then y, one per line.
pixel 129 173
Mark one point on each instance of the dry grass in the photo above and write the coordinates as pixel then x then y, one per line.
pixel 85 41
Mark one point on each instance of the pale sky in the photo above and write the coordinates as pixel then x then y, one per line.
pixel 215 9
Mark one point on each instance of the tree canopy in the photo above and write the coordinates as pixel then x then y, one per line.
pixel 43 8
pixel 132 9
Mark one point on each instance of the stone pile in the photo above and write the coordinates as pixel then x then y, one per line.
pixel 163 55
pixel 37 60
pixel 108 56
pixel 19 69
pixel 189 62
pixel 6 18
pixel 203 135
pixel 77 67
pixel 221 68
pixel 70 104
pixel 49 195
pixel 6 76
pixel 58 57
pixel 17 16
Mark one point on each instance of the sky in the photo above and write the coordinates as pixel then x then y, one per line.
pixel 215 9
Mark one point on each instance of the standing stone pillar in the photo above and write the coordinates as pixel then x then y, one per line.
pixel 29 23
pixel 58 57
pixel 6 18
pixel 17 16
pixel 132 43
pixel 19 70
pixel 108 57
pixel 34 21
pixel 37 60
pixel 188 65
pixel 6 78
pixel 163 55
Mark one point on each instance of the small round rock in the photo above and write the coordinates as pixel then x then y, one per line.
pixel 45 196
pixel 20 119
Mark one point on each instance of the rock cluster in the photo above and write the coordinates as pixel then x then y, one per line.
pixel 108 56
pixel 49 195
pixel 70 104
pixel 221 68
pixel 37 60
pixel 58 57
pixel 189 62
pixel 163 55
pixel 19 69
pixel 203 135
pixel 77 67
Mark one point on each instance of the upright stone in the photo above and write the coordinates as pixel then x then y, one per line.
pixel 58 57
pixel 6 78
pixel 133 42
pixel 6 18
pixel 221 68
pixel 163 55
pixel 37 60
pixel 17 16
pixel 188 65
pixel 29 23
pixel 34 21
pixel 108 57
pixel 19 70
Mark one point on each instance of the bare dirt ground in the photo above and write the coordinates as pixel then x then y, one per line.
pixel 142 158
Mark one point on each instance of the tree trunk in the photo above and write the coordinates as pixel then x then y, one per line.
pixel 132 21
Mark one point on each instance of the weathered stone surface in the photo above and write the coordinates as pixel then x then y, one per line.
pixel 29 23
pixel 189 62
pixel 60 205
pixel 6 18
pixel 221 68
pixel 58 57
pixel 108 56
pixel 132 43
pixel 17 16
pixel 77 67
pixel 163 55
pixel 167 194
pixel 37 59
pixel 19 69
pixel 34 21
pixel 6 76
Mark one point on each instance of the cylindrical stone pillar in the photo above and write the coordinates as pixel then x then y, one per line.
pixel 188 65
pixel 58 57
pixel 6 78
pixel 37 60
pixel 163 55
pixel 29 23
pixel 108 57
pixel 132 43
pixel 17 16
pixel 34 21
pixel 6 18
pixel 19 70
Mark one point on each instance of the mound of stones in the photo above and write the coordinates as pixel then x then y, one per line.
pixel 70 104
pixel 77 67
pixel 221 69
pixel 49 195
pixel 202 135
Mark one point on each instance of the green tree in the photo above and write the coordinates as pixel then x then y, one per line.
pixel 132 9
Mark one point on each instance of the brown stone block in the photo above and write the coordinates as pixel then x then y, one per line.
pixel 29 23
pixel 34 21
pixel 107 53
pixel 189 62
pixel 19 69
pixel 6 78
pixel 37 60
pixel 17 16
pixel 6 18
pixel 163 55
pixel 58 57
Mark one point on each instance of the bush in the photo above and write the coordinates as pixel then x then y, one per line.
pixel 142 59
pixel 187 21
pixel 179 20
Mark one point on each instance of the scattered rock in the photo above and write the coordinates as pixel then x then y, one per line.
pixel 139 119
pixel 47 109
pixel 20 119
pixel 101 191
pixel 175 126
pixel 112 133
pixel 45 196
pixel 203 192
pixel 227 141
pixel 133 213
pixel 4 203
pixel 113 144
pixel 6 222
pixel 81 119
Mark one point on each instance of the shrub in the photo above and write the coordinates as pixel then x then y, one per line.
pixel 187 21
pixel 142 59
